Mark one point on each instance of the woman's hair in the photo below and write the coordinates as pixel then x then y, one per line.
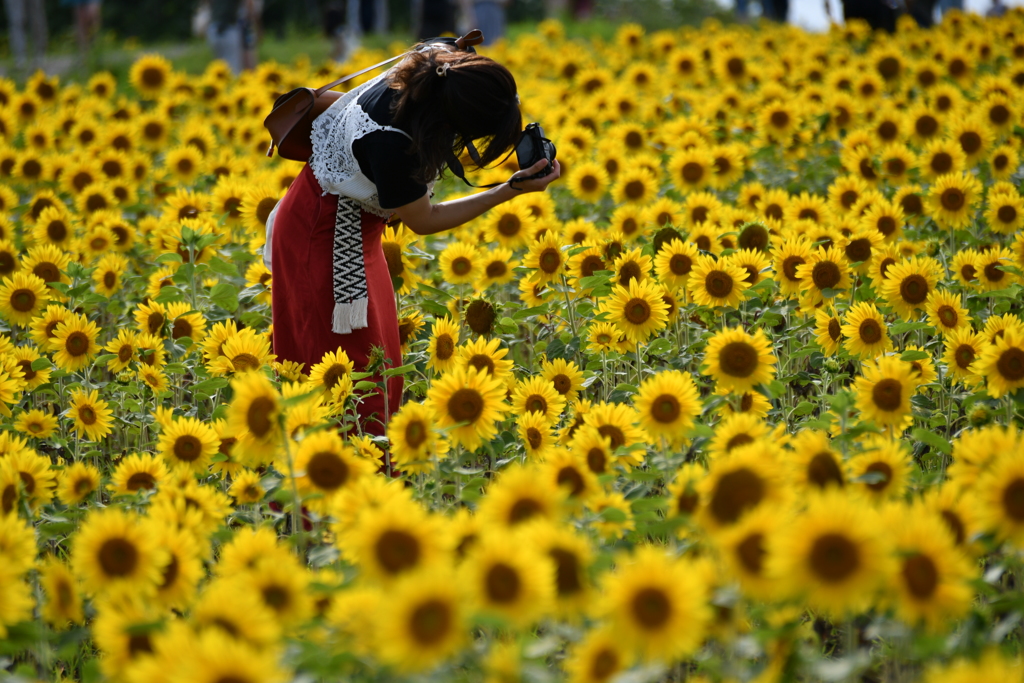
pixel 446 98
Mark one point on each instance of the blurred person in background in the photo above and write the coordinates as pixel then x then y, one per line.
pixel 34 11
pixel 433 18
pixel 580 10
pixel 233 32
pixel 335 28
pixel 87 20
pixel 486 15
pixel 998 9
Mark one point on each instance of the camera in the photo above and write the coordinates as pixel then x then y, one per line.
pixel 533 147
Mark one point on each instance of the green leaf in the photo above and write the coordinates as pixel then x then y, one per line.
pixel 365 386
pixel 613 515
pixel 443 295
pixel 169 295
pixel 932 439
pixel 225 295
pixel 527 312
pixel 804 408
pixel 911 355
pixel 41 363
pixel 401 370
pixel 105 358
pixel 218 265
pixel 208 386
pixel 169 257
pixel 659 347
pixel 900 328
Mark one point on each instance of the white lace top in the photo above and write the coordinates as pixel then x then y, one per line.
pixel 333 162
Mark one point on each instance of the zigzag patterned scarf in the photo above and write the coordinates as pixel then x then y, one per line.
pixel 350 294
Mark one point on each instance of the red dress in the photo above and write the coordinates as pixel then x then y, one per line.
pixel 303 298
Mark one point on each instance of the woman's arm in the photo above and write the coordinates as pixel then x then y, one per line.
pixel 424 218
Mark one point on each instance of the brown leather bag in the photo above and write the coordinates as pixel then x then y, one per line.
pixel 290 122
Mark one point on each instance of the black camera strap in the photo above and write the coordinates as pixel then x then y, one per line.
pixel 457 169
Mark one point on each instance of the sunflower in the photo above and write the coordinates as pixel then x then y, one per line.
pixel 115 550
pixel 882 468
pixel 883 392
pixel 424 618
pixel 498 268
pixel 884 219
pixel 256 206
pixel 963 347
pixel 787 258
pixel 245 352
pixel 413 440
pixel 325 466
pixel 941 157
pixel 667 405
pixel 739 361
pixel 247 487
pixel 469 401
pixel 908 284
pixel 520 496
pixel 444 340
pixel 656 605
pixel 538 395
pixel 814 464
pixel 952 200
pixel 717 283
pixel 22 297
pixel 36 423
pixel 185 324
pixel 833 553
pixel 638 310
pixel 509 224
pixel 973 137
pixel 92 417
pixel 137 472
pixel 635 185
pixel 593 448
pixel 946 312
pixel 674 263
pixel 1005 213
pixel 739 482
pixel 991 274
pixel 1001 363
pixel 188 442
pixel 1004 162
pixel 150 75
pixel 744 549
pixel 64 601
pixel 510 580
pixel 77 482
pixel 333 374
pixel 618 423
pixel 486 356
pixel 825 274
pixel 25 469
pixel 545 258
pixel 896 162
pixel 16 603
pixel 866 332
pixel 827 331
pixel 588 181
pixel 460 263
pixel 253 414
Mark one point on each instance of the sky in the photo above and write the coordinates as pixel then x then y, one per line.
pixel 810 14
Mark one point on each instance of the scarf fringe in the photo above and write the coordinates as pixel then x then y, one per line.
pixel 349 316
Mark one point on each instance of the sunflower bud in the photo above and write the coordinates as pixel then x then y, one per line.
pixel 979 416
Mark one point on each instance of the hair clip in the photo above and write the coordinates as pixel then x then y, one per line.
pixel 442 70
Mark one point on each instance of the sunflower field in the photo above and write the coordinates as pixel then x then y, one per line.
pixel 738 399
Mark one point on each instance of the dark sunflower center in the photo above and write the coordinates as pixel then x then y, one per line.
pixel 258 416
pixel 1011 364
pixel 397 551
pixel 665 409
pixel 245 361
pixel 597 461
pixel 738 359
pixel 751 552
pixel 964 356
pixel 948 315
pixel 637 311
pixel 880 468
pixel 613 434
pixel 263 209
pixel 921 576
pixel 826 275
pixel 118 557
pixel 23 300
pixel 834 557
pixel 502 583
pixel 77 344
pixel 187 448
pixel 692 172
pixel 719 284
pixel 466 405
pixel 1006 214
pixel 914 289
pixel 327 470
pixel 415 434
pixel 870 331
pixel 887 394
pixel 736 492
pixel 393 256
pixel 140 480
pixel 445 347
pixel 823 470
pixel 834 329
pixel 461 265
pixel 635 189
pixel 524 509
pixel 952 199
pixel 652 608
pixel 859 250
pixel 571 478
pixel 431 622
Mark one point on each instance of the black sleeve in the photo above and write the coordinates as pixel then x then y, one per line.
pixel 383 158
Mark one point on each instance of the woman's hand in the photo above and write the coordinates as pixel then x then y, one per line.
pixel 537 184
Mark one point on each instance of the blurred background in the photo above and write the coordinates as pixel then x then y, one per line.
pixel 74 38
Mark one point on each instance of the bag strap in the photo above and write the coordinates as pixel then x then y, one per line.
pixel 455 166
pixel 471 39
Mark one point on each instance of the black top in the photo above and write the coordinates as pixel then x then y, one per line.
pixel 383 155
